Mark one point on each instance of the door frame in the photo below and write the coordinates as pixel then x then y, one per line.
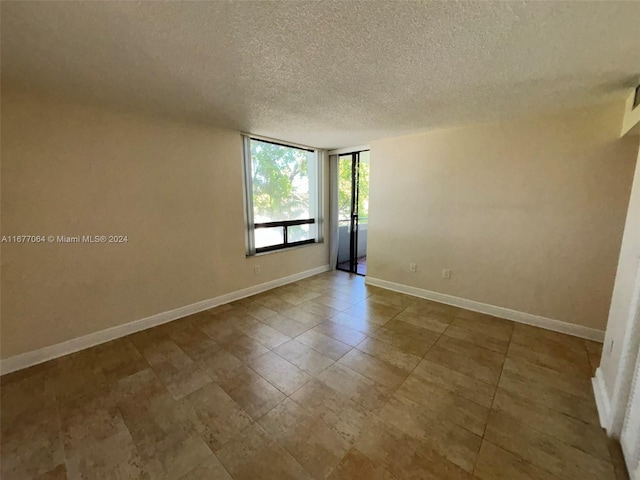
pixel 354 226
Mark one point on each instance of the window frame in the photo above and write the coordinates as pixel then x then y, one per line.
pixel 315 203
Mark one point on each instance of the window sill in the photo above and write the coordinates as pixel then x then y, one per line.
pixel 286 249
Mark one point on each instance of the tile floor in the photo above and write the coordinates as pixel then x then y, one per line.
pixel 323 378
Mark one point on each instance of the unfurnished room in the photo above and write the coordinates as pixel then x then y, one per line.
pixel 342 240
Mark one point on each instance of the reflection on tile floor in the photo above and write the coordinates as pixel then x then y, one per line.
pixel 323 378
pixel 361 266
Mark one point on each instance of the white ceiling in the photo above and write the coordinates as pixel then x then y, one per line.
pixel 326 74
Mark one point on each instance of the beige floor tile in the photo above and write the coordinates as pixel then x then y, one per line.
pixel 119 359
pixel 408 338
pixel 388 353
pixel 304 357
pixel 455 443
pixel 113 457
pixel 253 454
pixel 286 325
pixel 220 365
pixel 482 366
pixel 585 436
pixel 550 349
pixel 246 348
pixel 307 438
pixel 259 312
pixel 221 308
pixel 324 344
pixel 252 392
pixel 352 290
pixel 528 335
pixel 336 303
pixel 549 360
pixel 372 395
pixel 457 330
pixel 166 440
pixel 491 326
pixel 210 469
pixel 575 385
pixel 32 443
pixel 356 466
pixel 440 403
pixel 545 451
pixel 276 304
pixel 310 313
pixel 431 320
pixel 280 373
pixel 222 329
pixel 375 313
pixel 98 442
pixel 495 463
pixel 174 458
pixel 542 394
pixel 342 414
pixel 455 382
pixel 444 308
pixel 141 391
pixel 404 456
pixel 216 416
pixel 58 473
pixel 320 310
pixel 158 349
pixel 26 391
pixel 359 324
pixel 355 386
pixel 195 343
pixel 371 367
pixel 392 299
pixel 77 372
pixel 264 334
pixel 183 380
pixel 340 332
pixel 85 421
pixel 298 296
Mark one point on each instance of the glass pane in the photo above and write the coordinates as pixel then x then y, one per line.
pixel 344 187
pixel 265 237
pixel 298 233
pixel 281 182
pixel 363 188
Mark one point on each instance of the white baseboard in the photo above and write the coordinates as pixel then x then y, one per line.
pixel 514 315
pixel 28 359
pixel 602 400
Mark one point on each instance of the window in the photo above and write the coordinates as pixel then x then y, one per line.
pixel 282 187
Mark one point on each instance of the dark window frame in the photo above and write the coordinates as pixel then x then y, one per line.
pixel 252 250
pixel 285 224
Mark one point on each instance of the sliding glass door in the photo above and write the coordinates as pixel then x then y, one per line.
pixel 353 211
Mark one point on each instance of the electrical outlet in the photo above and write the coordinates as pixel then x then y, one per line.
pixel 256 270
pixel 446 274
pixel 413 267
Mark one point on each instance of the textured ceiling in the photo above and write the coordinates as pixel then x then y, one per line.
pixel 326 74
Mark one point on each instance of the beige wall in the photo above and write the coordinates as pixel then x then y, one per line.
pixel 528 214
pixel 625 281
pixel 174 189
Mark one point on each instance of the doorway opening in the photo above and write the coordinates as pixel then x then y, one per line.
pixel 353 211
